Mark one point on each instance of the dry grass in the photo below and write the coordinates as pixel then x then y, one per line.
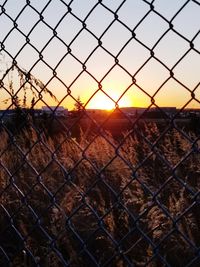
pixel 93 203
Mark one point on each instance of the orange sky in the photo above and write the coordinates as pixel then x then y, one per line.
pixel 78 73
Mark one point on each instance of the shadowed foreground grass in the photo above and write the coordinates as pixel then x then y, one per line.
pixel 98 203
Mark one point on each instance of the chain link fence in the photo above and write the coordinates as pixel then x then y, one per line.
pixel 89 187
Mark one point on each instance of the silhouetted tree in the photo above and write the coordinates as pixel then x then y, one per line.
pixel 79 105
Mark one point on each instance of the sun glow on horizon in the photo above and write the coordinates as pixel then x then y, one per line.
pixel 102 101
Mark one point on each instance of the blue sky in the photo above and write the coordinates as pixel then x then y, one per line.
pixel 131 58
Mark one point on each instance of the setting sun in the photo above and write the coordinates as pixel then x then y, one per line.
pixel 102 101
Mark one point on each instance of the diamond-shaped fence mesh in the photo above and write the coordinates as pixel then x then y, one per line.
pixel 100 127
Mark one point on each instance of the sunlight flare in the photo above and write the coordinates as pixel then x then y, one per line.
pixel 103 101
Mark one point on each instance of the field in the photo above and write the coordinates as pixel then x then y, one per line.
pixel 96 200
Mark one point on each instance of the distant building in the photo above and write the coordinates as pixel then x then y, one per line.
pixel 166 109
pixel 133 111
pixel 57 111
pixel 8 112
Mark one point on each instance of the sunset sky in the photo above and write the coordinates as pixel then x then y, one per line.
pixel 130 59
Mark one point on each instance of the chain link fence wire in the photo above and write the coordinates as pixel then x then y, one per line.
pixel 117 188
